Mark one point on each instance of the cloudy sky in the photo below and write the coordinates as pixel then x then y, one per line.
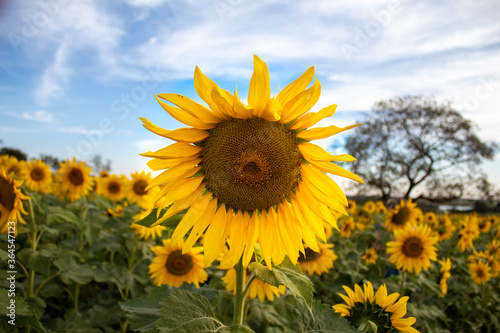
pixel 75 76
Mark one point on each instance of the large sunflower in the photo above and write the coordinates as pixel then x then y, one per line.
pixel 258 288
pixel 74 179
pixel 380 308
pixel 37 176
pixel 249 174
pixel 11 206
pixel 402 214
pixel 413 249
pixel 137 192
pixel 318 262
pixel 170 266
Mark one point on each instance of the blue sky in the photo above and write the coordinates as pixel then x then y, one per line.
pixel 75 76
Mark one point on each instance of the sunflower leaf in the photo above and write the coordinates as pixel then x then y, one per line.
pixel 288 275
pixel 143 312
pixel 171 222
pixel 185 311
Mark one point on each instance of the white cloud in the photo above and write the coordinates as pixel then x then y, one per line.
pixel 152 145
pixel 146 3
pixel 75 130
pixel 39 115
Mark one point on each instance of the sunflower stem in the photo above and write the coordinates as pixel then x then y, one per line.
pixel 33 239
pixel 403 280
pixel 131 264
pixel 239 304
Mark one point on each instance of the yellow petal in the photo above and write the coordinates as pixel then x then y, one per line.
pixel 323 132
pixel 314 152
pixel 160 164
pixel 175 150
pixel 200 226
pixel 180 205
pixel 312 118
pixel 259 90
pixel 217 233
pixel 190 218
pixel 336 170
pixel 205 89
pixel 322 182
pixel 195 109
pixel 223 104
pixel 301 103
pixel 272 112
pixel 252 235
pixel 175 172
pixel 240 110
pixel 184 117
pixel 180 134
pixel 296 87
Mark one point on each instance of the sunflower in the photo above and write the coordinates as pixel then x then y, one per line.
pixel 444 275
pixel 104 174
pixel 37 176
pixel 380 207
pixel 74 179
pixel 413 249
pixel 468 232
pixel 13 166
pixel 480 272
pixel 380 308
pixel 399 216
pixel 137 192
pixel 317 262
pixel 369 207
pixel 248 174
pixel 484 224
pixel 351 206
pixel 113 187
pixel 145 232
pixel 117 211
pixel 173 267
pixel 258 288
pixel 370 256
pixel 444 227
pixel 346 227
pixel 11 206
pixel 431 219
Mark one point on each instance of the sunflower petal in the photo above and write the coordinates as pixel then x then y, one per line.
pixel 184 117
pixel 323 132
pixel 296 87
pixel 259 90
pixel 180 134
pixel 312 118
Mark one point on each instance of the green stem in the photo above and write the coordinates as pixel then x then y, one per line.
pixel 75 296
pixel 33 239
pixel 403 280
pixel 240 295
pixel 131 264
pixel 45 282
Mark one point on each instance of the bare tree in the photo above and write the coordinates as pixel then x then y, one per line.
pixel 413 143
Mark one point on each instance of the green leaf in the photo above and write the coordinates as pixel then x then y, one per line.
pixel 60 214
pixel 82 274
pixel 324 319
pixel 289 275
pixel 186 311
pixel 143 312
pixel 23 312
pixel 39 263
pixel 171 222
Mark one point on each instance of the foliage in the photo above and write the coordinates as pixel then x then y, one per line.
pixel 413 144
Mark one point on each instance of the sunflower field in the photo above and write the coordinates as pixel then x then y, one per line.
pixel 241 231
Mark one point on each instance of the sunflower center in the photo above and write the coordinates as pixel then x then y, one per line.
pixel 251 163
pixel 114 187
pixel 402 216
pixel 178 263
pixel 413 247
pixel 37 174
pixel 140 187
pixel 310 255
pixel 480 272
pixel 7 195
pixel 75 177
